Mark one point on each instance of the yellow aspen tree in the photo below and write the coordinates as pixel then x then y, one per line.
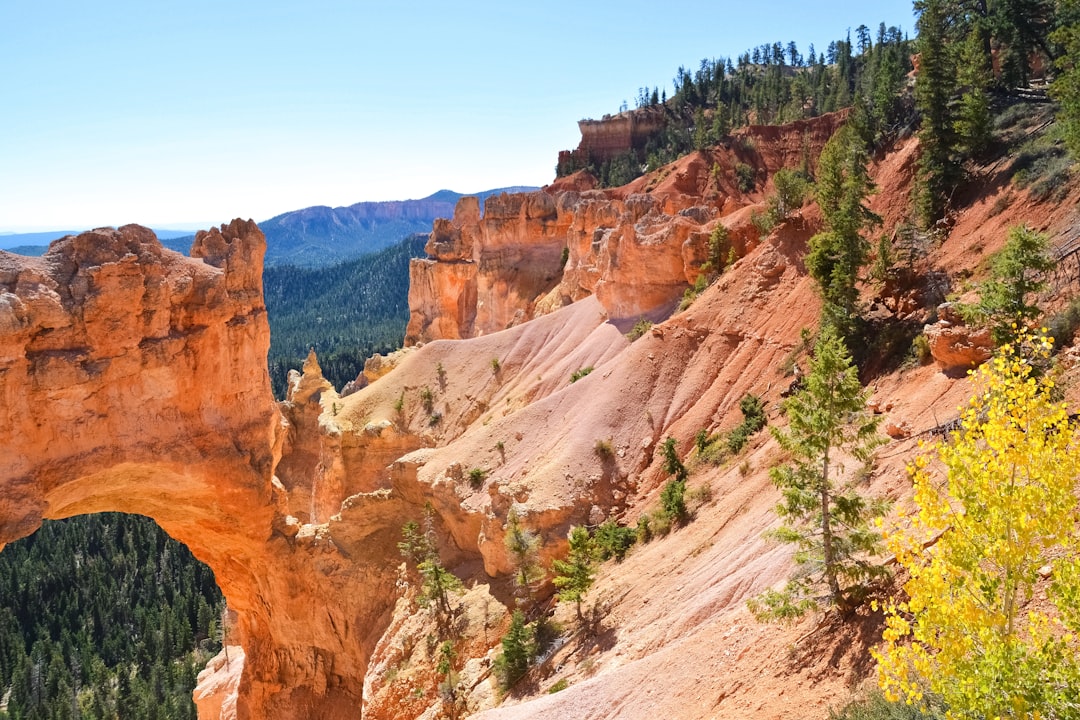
pixel 990 623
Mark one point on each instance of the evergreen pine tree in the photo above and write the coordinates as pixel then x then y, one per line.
pixel 1015 274
pixel 824 516
pixel 972 124
pixel 836 255
pixel 523 546
pixel 934 86
pixel 518 648
pixel 574 576
pixel 1066 86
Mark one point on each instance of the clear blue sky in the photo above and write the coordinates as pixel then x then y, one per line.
pixel 166 112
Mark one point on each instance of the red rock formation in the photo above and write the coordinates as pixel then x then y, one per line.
pixel 134 379
pixel 955 346
pixel 611 135
pixel 637 248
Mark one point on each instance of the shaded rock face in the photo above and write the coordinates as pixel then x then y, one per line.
pixel 134 379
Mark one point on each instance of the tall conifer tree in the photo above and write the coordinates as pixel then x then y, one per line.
pixel 934 86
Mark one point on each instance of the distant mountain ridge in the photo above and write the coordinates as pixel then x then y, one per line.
pixel 316 236
pixel 320 235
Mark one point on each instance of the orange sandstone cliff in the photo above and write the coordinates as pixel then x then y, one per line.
pixel 134 379
pixel 636 248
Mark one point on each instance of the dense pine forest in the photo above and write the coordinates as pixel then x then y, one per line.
pixel 347 312
pixel 105 617
pixel 770 84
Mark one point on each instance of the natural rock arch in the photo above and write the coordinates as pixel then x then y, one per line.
pixel 134 379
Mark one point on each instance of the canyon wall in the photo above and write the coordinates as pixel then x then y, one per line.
pixel 636 248
pixel 533 253
pixel 134 379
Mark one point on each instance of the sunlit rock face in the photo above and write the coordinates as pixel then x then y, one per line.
pixel 532 253
pixel 636 248
pixel 134 379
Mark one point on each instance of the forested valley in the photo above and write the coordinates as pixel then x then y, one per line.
pixel 104 616
pixel 346 312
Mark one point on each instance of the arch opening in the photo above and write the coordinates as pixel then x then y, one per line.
pixel 102 616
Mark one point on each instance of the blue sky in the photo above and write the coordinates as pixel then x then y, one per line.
pixel 169 112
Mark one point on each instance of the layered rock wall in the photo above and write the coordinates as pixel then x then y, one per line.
pixel 637 248
pixel 610 136
pixel 533 253
pixel 134 379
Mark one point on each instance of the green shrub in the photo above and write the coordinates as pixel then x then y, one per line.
pixel 427 399
pixel 716 448
pixel 564 257
pixel 883 260
pixel 580 373
pixel 744 177
pixel 738 438
pixel 753 411
pixel 920 349
pixel 496 366
pixel 673 501
pixel 672 464
pixel 875 707
pixel 561 684
pixel 644 529
pixel 698 496
pixel 660 523
pixel 764 222
pixel 691 293
pixel 641 327
pixel 603 448
pixel 792 187
pixel 612 540
pixel 688 297
pixel 1035 163
pixel 477 477
pixel 1062 326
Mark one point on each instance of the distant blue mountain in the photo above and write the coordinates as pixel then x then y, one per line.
pixel 316 236
pixel 31 250
pixel 320 236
